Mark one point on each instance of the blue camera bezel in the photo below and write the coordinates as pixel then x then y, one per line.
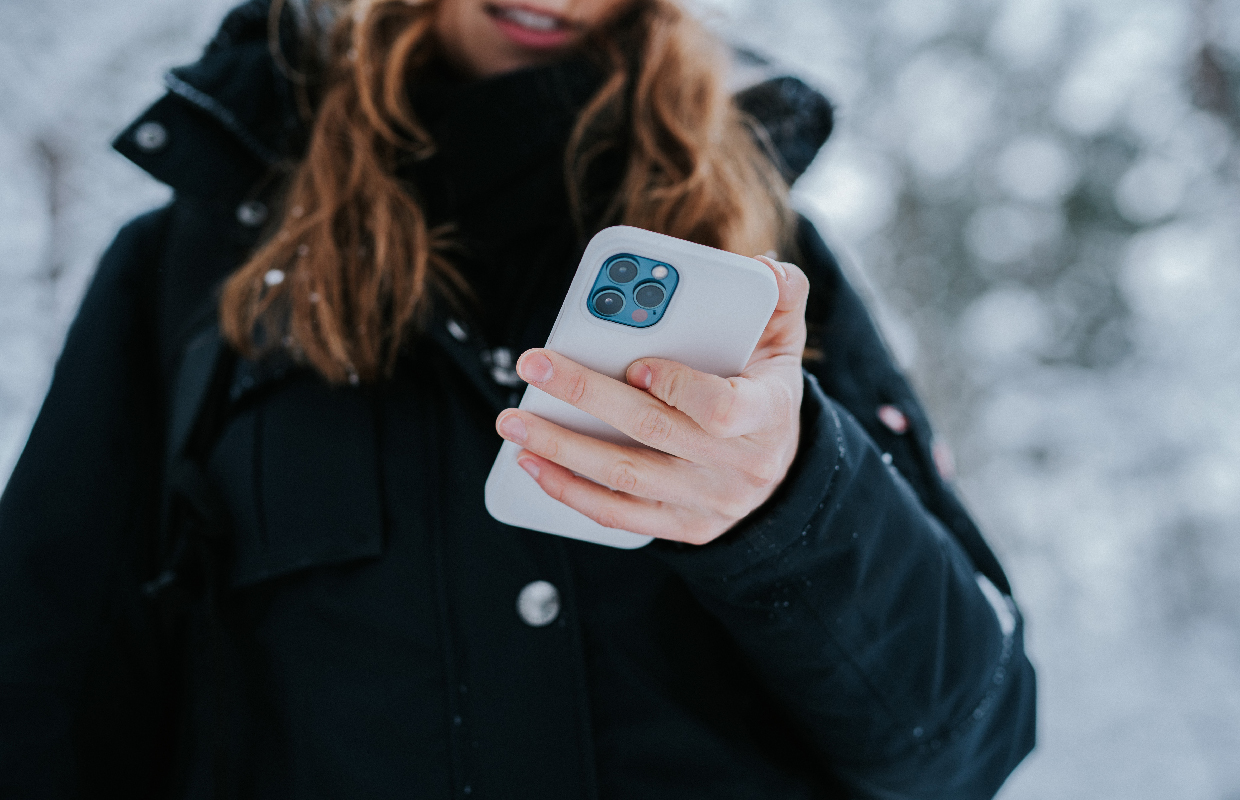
pixel 645 270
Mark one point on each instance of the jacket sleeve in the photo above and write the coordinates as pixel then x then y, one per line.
pixel 861 608
pixel 76 687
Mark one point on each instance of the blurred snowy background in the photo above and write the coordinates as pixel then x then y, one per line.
pixel 1041 199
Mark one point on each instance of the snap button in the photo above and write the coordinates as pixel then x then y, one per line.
pixel 500 361
pixel 150 136
pixel 538 604
pixel 893 418
pixel 456 330
pixel 501 357
pixel 505 376
pixel 252 213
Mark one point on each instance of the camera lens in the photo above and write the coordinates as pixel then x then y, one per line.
pixel 622 270
pixel 649 295
pixel 608 302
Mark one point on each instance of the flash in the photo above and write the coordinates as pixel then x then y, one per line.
pixel 659 272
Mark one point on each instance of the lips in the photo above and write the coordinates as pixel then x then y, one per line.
pixel 530 27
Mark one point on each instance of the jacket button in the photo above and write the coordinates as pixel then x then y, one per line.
pixel 500 361
pixel 252 213
pixel 150 137
pixel 538 604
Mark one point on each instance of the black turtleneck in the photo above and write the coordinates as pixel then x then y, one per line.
pixel 497 176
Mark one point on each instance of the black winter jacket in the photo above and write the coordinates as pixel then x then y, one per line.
pixel 345 622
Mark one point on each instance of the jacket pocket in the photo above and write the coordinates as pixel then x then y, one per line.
pixel 299 472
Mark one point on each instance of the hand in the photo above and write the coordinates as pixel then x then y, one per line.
pixel 721 446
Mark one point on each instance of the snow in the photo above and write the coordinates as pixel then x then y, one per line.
pixel 72 74
pixel 1039 198
pixel 1033 190
pixel 1036 169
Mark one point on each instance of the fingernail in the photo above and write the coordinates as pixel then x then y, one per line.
pixel 513 429
pixel 641 376
pixel 530 466
pixel 535 368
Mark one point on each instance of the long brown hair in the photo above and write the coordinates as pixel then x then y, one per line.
pixel 352 266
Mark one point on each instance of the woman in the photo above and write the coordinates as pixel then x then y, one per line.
pixel 272 573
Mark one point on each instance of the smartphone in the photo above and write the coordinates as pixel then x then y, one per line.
pixel 636 294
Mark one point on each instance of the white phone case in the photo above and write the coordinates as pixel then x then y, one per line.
pixel 716 314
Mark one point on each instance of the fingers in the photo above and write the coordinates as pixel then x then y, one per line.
pixel 723 408
pixel 636 471
pixel 628 410
pixel 761 396
pixel 717 407
pixel 785 333
pixel 618 510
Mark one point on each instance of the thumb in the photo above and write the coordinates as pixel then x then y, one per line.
pixel 785 332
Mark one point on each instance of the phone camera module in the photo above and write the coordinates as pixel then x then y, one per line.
pixel 622 270
pixel 609 302
pixel 649 295
pixel 631 290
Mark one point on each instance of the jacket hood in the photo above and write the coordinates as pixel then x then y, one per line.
pixel 229 119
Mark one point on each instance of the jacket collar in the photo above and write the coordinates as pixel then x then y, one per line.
pixel 487 132
pixel 227 120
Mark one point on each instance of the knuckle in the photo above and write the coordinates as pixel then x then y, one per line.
pixel 733 507
pixel 724 416
pixel 779 411
pixel 700 533
pixel 764 472
pixel 721 495
pixel 791 337
pixel 575 390
pixel 543 442
pixel 673 387
pixel 607 517
pixel 789 399
pixel 654 426
pixel 555 489
pixel 623 477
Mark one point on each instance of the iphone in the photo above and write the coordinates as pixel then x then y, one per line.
pixel 636 294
